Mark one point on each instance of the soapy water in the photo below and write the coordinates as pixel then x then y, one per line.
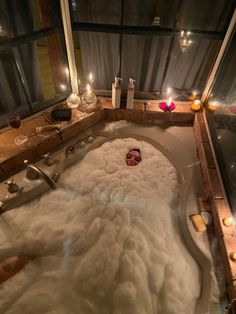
pixel 106 240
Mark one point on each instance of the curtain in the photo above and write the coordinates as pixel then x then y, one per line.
pixel 155 62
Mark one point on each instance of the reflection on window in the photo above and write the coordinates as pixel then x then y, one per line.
pixel 12 95
pixel 102 11
pixel 221 116
pixel 54 74
pixel 189 69
pixel 205 15
pixel 150 13
pixel 34 71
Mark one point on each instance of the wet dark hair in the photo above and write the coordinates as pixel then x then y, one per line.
pixel 136 149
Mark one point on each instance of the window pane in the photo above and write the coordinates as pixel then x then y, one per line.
pixel 32 74
pixel 23 17
pixel 12 100
pixel 90 11
pixel 223 120
pixel 43 69
pixel 225 84
pixel 96 53
pixel 206 15
pixel 155 65
pixel 144 58
pixel 150 13
pixel 189 67
pixel 50 69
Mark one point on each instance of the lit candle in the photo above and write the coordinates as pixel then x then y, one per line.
pixel 88 97
pixel 233 256
pixel 228 221
pixel 167 106
pixel 196 105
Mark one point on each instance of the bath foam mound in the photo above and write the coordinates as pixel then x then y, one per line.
pixel 106 241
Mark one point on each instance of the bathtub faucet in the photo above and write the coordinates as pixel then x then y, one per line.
pixel 33 172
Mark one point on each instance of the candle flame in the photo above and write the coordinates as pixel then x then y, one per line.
pixel 88 88
pixel 169 102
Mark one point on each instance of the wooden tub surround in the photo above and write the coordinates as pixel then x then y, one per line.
pixel 12 159
pixel 218 205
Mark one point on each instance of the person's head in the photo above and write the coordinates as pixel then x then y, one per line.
pixel 133 157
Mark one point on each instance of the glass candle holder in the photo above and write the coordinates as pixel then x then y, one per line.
pixel 167 105
pixel 73 101
pixel 15 123
pixel 89 98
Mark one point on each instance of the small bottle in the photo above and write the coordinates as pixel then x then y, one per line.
pixel 116 92
pixel 130 94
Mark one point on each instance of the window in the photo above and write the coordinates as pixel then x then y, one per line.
pixel 33 62
pixel 160 43
pixel 221 118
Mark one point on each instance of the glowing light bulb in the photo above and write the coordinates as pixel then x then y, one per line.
pixel 182 34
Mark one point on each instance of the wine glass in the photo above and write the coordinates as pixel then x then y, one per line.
pixel 15 123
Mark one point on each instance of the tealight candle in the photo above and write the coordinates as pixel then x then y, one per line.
pixel 89 98
pixel 196 105
pixel 228 221
pixel 233 256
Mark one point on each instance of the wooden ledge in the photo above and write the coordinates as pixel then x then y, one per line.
pixel 12 156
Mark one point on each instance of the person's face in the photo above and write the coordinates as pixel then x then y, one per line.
pixel 133 158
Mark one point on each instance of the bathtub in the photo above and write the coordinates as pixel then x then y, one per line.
pixel 175 142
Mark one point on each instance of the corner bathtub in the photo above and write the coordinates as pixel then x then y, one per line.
pixel 175 142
